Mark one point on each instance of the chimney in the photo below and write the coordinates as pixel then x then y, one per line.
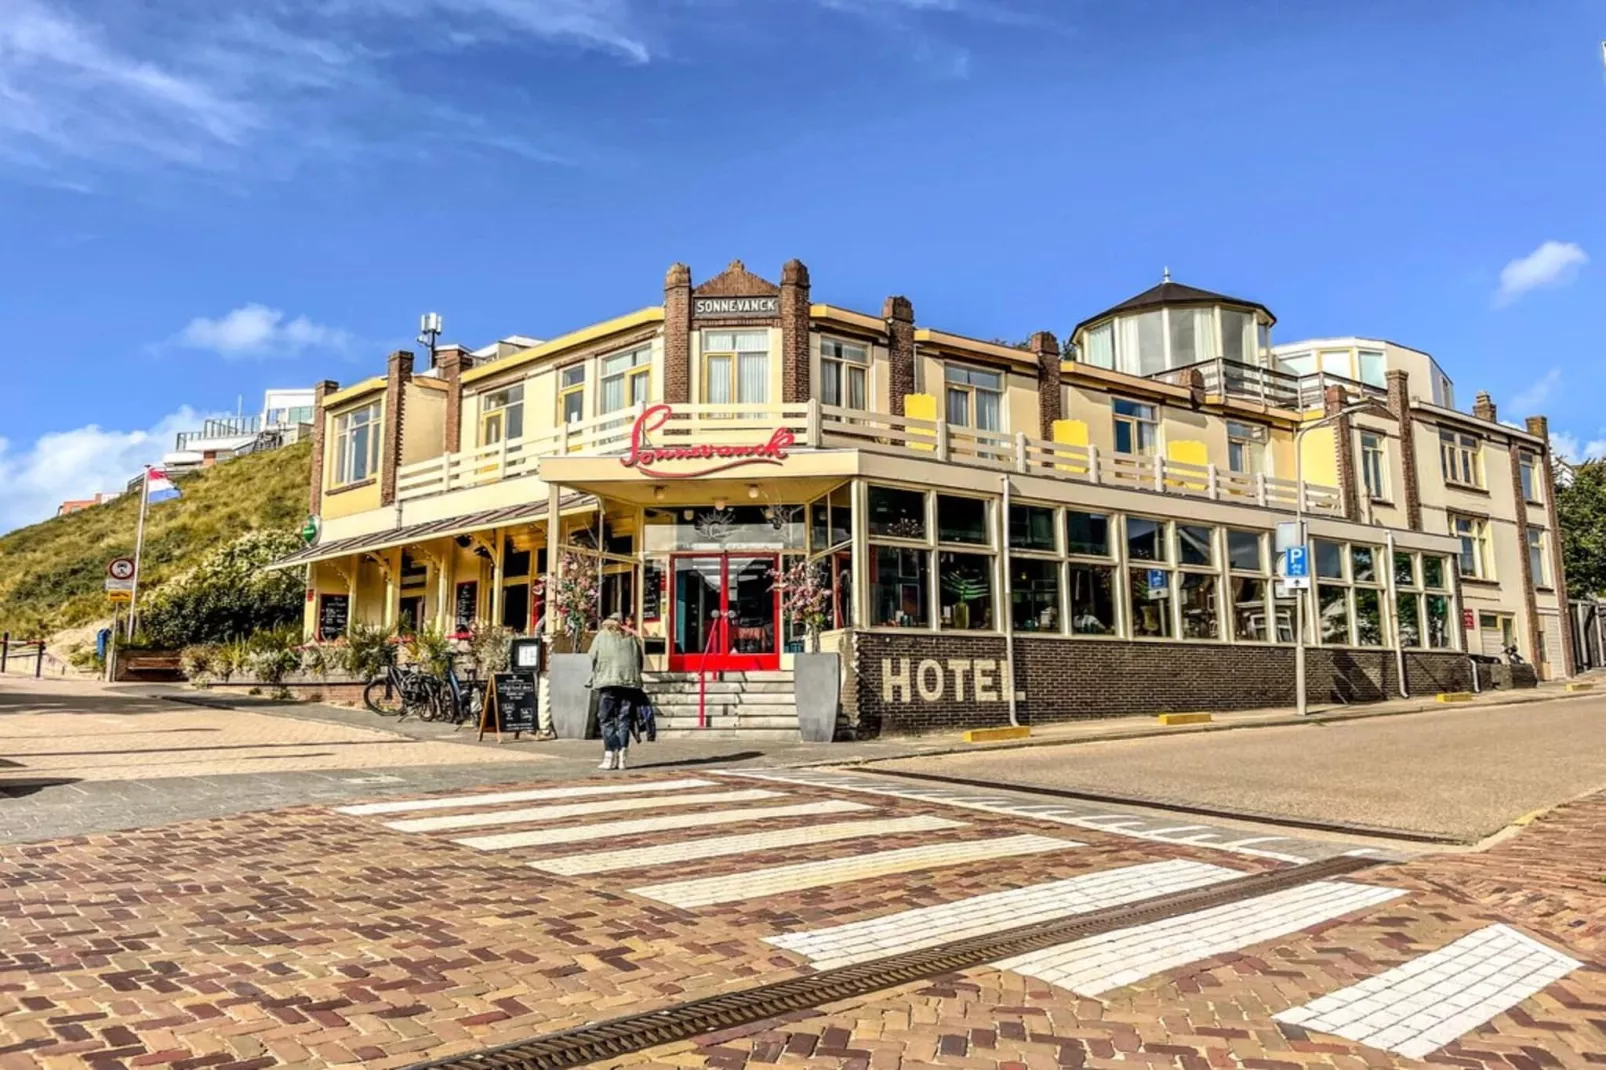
pixel 1046 348
pixel 453 360
pixel 398 374
pixel 319 392
pixel 677 334
pixel 795 385
pixel 899 315
pixel 1483 407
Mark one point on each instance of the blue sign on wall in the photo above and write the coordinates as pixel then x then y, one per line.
pixel 1298 562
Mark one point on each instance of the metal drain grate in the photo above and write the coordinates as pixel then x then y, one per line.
pixel 638 1032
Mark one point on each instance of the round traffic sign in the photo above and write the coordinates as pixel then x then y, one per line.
pixel 121 568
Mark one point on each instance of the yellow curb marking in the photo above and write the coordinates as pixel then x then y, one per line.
pixel 993 735
pixel 1184 718
pixel 1454 696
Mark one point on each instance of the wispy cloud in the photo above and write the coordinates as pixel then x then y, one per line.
pixel 255 330
pixel 1532 399
pixel 1554 263
pixel 1570 447
pixel 88 89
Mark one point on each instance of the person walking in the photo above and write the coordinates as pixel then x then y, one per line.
pixel 616 676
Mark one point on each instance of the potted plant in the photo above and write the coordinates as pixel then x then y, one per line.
pixel 805 591
pixel 571 596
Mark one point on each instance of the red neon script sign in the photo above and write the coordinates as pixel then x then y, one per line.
pixel 644 457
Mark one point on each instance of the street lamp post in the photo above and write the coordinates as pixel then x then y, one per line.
pixel 1301 700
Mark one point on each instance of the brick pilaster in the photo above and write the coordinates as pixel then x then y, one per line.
pixel 1049 405
pixel 1530 603
pixel 1483 408
pixel 1539 427
pixel 900 318
pixel 1344 441
pixel 677 335
pixel 398 373
pixel 796 385
pixel 319 422
pixel 453 361
pixel 1399 402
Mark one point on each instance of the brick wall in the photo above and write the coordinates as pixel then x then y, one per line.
pixel 899 315
pixel 1399 403
pixel 319 422
pixel 924 683
pixel 1046 348
pixel 795 381
pixel 677 335
pixel 399 372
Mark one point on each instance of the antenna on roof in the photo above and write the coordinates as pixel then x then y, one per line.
pixel 429 332
pixel 1165 275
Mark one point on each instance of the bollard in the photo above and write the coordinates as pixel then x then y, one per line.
pixel 5 651
pixel 39 661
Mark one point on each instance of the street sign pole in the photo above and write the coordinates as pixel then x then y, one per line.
pixel 139 550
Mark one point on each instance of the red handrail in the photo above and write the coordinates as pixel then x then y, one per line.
pixel 722 626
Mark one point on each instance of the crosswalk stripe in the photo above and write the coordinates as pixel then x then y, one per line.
pixel 553 813
pixel 618 829
pixel 1419 1007
pixel 732 887
pixel 908 930
pixel 1098 964
pixel 456 802
pixel 720 846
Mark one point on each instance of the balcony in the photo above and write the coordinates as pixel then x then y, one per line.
pixel 1268 386
pixel 816 426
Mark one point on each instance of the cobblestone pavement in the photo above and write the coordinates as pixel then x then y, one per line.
pixel 404 929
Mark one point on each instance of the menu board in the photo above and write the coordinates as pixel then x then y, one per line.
pixel 466 605
pixel 510 702
pixel 334 612
pixel 652 590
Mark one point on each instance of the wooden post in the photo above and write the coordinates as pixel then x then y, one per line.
pixel 1020 452
pixel 5 651
pixel 1093 475
pixel 1215 486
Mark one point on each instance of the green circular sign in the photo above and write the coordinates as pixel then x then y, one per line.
pixel 309 530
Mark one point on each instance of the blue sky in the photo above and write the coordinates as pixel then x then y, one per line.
pixel 202 200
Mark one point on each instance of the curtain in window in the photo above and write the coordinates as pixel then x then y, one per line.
pixel 1204 334
pixel 958 408
pixel 987 415
pixel 1101 346
pixel 1131 344
pixel 1151 343
pixel 1237 336
pixel 856 390
pixel 830 382
pixel 718 387
pixel 754 378
pixel 613 393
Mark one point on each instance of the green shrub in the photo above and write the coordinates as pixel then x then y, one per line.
pixel 196 663
pixel 274 654
pixel 325 659
pixel 430 650
pixel 370 650
pixel 228 594
pixel 489 648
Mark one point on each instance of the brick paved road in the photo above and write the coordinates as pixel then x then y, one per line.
pixel 312 937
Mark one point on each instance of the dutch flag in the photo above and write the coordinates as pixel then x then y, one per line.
pixel 158 488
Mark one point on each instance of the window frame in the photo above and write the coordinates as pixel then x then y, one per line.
pixel 499 413
pixel 1528 480
pixel 734 354
pixel 970 389
pixel 840 365
pixel 1461 459
pixel 1479 535
pixel 1374 467
pixel 1136 422
pixel 638 369
pixel 345 444
pixel 1246 440
pixel 567 389
pixel 1538 544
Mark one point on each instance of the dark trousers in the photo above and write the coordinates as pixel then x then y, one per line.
pixel 616 708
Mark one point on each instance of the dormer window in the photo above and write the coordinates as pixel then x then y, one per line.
pixel 1173 326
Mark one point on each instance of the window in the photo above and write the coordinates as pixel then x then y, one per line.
pixel 1404 570
pixel 1246 448
pixel 1245 551
pixel 1433 573
pixel 1528 472
pixel 897 513
pixel 1438 620
pixel 1422 616
pixel 1474 535
pixel 1333 613
pixel 1137 428
pixel 1193 336
pixel 962 520
pixel 965 591
pixel 356 455
pixel 736 367
pixel 1101 346
pixel 1238 336
pixel 1196 545
pixel 1092 599
pixel 1337 362
pixel 1031 527
pixel 1372 476
pixel 1498 632
pixel 1459 458
pixel 898 585
pixel 1140 349
pixel 975 397
pixel 1145 539
pixel 1298 363
pixel 1150 590
pixel 502 415
pixel 844 372
pixel 1087 534
pixel 1329 560
pixel 1349 597
pixel 1536 557
pixel 1034 594
pixel 626 379
pixel 1373 367
pixel 572 393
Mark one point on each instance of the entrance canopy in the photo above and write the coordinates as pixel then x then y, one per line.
pixel 802 475
pixel 434 529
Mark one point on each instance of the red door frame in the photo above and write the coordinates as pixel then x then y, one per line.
pixel 720 658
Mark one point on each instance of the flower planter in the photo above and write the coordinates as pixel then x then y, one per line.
pixel 569 695
pixel 817 682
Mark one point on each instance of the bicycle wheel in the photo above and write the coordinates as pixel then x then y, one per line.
pixel 381 698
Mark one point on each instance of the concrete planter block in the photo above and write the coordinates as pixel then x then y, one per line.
pixel 570 697
pixel 818 682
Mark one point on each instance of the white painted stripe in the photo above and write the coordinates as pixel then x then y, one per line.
pixel 1174 829
pixel 908 930
pixel 720 846
pixel 553 813
pixel 618 829
pixel 1113 960
pixel 1419 1007
pixel 732 887
pixel 455 802
pixel 992 804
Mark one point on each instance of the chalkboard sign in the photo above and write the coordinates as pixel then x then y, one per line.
pixel 334 612
pixel 652 588
pixel 509 704
pixel 467 605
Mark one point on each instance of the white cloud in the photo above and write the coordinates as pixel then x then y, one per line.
pixel 1554 263
pixel 259 331
pixel 1569 447
pixel 79 463
pixel 1532 400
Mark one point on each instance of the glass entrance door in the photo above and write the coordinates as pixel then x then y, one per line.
pixel 727 613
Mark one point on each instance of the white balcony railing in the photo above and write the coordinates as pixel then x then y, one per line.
pixel 822 426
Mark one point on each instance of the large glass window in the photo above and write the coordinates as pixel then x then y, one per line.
pixel 1034 594
pixel 1329 560
pixel 1196 545
pixel 1438 620
pixel 965 591
pixel 1193 335
pixel 1087 533
pixel 899 579
pixel 1145 539
pixel 1137 428
pixel 1100 342
pixel 1246 551
pixel 896 513
pixel 1141 346
pixel 1408 614
pixel 1333 612
pixel 844 373
pixel 626 379
pixel 1201 619
pixel 736 367
pixel 1150 590
pixel 1368 617
pixel 1091 590
pixel 1251 610
pixel 975 397
pixel 502 415
pixel 356 453
pixel 1373 367
pixel 1031 527
pixel 1459 457
pixel 962 520
pixel 1238 336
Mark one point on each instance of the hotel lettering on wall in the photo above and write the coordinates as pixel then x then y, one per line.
pixel 736 307
pixel 907 680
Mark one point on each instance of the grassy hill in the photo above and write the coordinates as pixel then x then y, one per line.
pixel 52 574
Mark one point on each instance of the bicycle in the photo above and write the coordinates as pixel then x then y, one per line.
pixel 460 701
pixel 400 692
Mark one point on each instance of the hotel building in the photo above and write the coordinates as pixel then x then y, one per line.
pixel 1100 515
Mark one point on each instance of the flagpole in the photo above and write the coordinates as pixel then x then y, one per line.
pixel 139 548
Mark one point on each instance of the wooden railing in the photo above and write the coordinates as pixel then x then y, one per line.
pixel 829 427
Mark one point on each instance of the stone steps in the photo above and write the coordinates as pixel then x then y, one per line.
pixel 737 705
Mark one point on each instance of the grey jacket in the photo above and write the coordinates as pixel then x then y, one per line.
pixel 615 661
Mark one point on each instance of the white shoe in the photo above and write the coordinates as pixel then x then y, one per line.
pixel 608 759
pixel 619 759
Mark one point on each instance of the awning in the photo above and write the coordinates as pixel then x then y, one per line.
pixel 434 529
